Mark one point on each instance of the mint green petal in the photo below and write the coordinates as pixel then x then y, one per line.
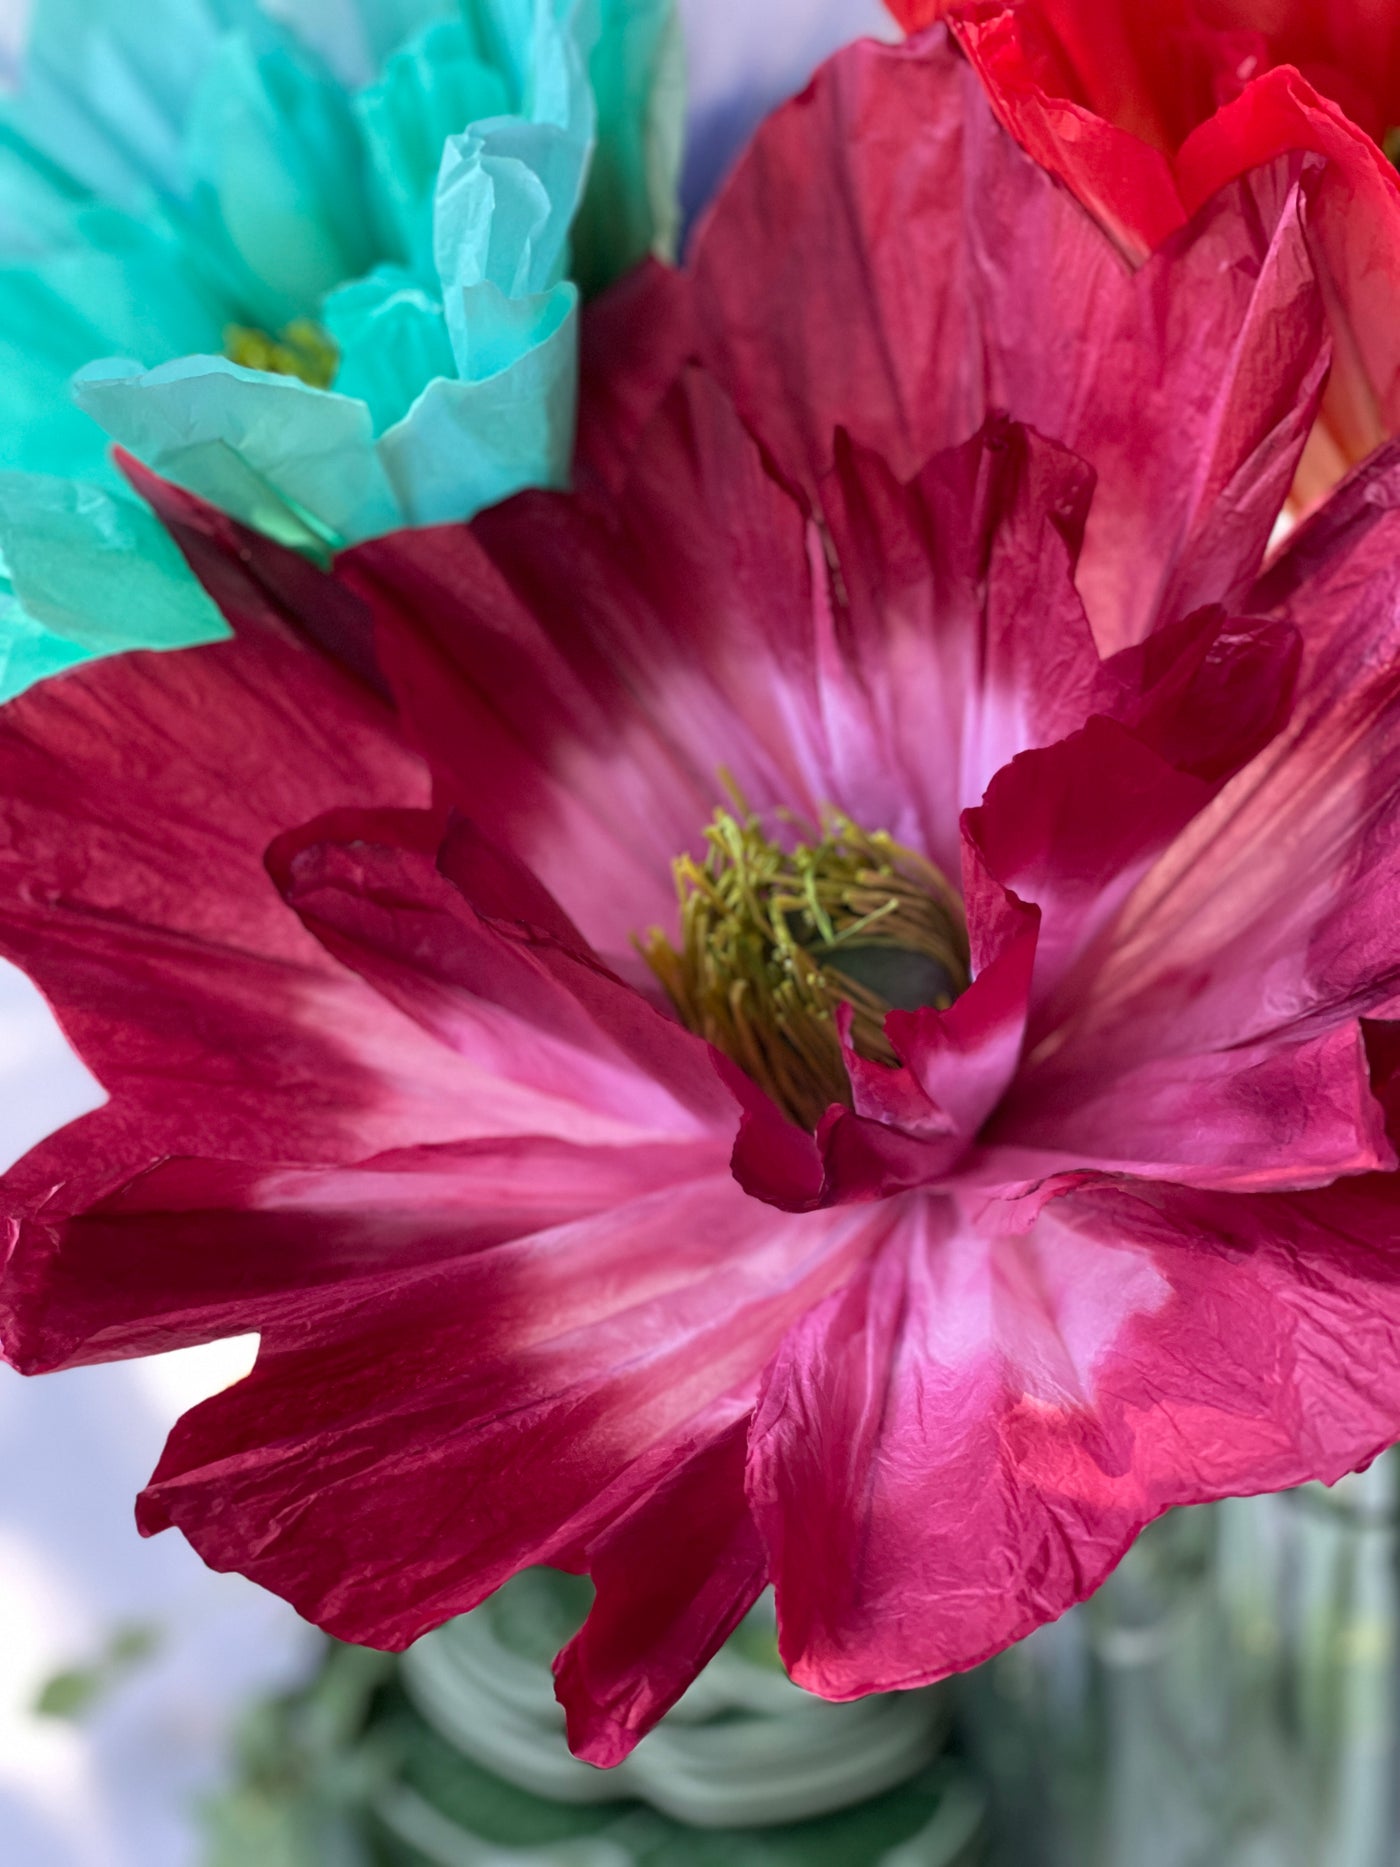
pixel 40 429
pixel 558 88
pixel 121 288
pixel 507 195
pixel 107 84
pixel 313 449
pixel 28 652
pixel 355 37
pixel 431 89
pixel 466 445
pixel 507 32
pixel 278 181
pixel 500 330
pixel 388 23
pixel 392 339
pixel 37 198
pixel 632 206
pixel 89 574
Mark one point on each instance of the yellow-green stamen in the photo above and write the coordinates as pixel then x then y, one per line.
pixel 302 349
pixel 774 939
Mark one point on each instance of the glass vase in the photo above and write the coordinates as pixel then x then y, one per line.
pixel 1228 1699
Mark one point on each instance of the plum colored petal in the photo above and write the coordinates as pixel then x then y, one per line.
pixel 1070 830
pixel 615 665
pixel 1083 830
pixel 935 579
pixel 1189 385
pixel 697 624
pixel 674 1577
pixel 962 1441
pixel 357 1470
pixel 577 682
pixel 508 995
pixel 1242 1118
pixel 250 576
pixel 635 340
pixel 500 886
pixel 910 1124
pixel 1238 400
pixel 1276 902
pixel 965 1057
pixel 136 900
pixel 890 1093
pixel 1209 692
pixel 1336 579
pixel 1072 827
pixel 773 1159
pixel 954 1064
pixel 1272 915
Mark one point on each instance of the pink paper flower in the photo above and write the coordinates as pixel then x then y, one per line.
pixel 912 527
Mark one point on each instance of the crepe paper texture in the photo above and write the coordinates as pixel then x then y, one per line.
pixel 1145 108
pixel 881 514
pixel 332 308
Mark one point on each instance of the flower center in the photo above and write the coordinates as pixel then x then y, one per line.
pixel 774 938
pixel 302 349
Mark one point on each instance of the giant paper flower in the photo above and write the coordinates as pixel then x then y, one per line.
pixel 331 302
pixel 988 1150
pixel 1145 108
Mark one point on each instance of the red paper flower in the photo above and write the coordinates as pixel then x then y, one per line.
pixel 1146 108
pixel 920 1316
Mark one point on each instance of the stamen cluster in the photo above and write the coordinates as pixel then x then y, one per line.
pixel 774 939
pixel 301 349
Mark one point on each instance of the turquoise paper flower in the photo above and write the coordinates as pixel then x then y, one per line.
pixel 331 290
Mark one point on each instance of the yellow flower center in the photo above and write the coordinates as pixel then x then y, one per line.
pixel 302 349
pixel 775 938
